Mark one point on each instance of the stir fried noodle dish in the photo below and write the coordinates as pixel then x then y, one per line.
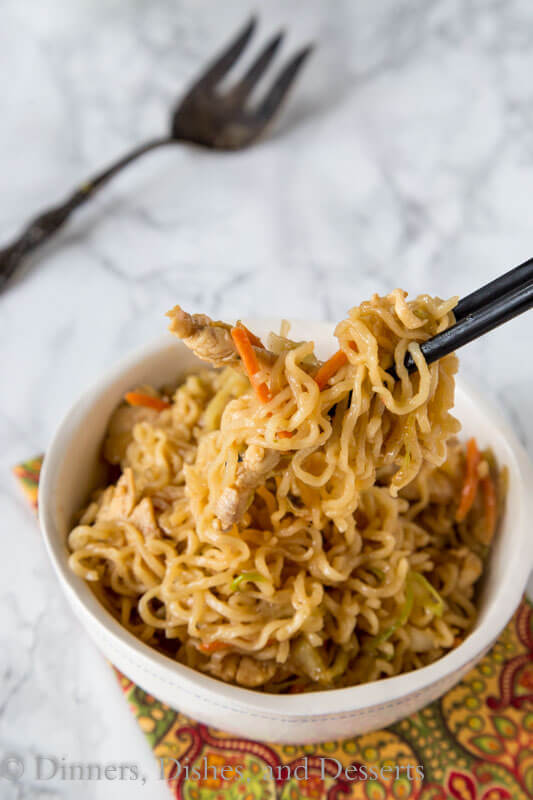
pixel 288 524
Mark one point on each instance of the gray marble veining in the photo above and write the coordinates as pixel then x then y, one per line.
pixel 404 157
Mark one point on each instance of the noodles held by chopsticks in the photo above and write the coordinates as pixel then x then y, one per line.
pixel 290 525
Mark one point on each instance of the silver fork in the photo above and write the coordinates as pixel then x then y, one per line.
pixel 205 116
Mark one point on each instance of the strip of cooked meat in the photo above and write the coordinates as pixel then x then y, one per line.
pixel 143 518
pixel 253 673
pixel 120 502
pixel 243 670
pixel 117 502
pixel 210 340
pixel 252 472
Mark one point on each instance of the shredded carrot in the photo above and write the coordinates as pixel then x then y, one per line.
pixel 255 340
pixel 213 647
pixel 330 367
pixel 468 494
pixel 286 434
pixel 296 687
pixel 489 494
pixel 140 399
pixel 249 359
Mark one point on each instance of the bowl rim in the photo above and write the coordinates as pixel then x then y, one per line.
pixel 327 704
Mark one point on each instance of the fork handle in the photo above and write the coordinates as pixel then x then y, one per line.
pixel 42 227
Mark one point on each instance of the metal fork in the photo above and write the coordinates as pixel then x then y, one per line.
pixel 205 116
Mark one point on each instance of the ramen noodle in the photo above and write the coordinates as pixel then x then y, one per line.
pixel 288 524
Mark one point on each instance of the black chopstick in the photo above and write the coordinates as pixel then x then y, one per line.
pixel 480 320
pixel 491 291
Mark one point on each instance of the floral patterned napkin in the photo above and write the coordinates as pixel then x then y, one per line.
pixel 475 743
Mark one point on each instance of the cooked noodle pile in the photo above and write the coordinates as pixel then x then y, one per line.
pixel 288 524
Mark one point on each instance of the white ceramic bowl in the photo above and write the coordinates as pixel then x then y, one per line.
pixel 70 472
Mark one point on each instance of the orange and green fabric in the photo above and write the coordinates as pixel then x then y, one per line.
pixel 474 743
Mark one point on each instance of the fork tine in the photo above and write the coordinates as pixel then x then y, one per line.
pixel 276 95
pixel 220 66
pixel 245 86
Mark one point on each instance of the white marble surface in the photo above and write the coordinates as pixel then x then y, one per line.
pixel 405 157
